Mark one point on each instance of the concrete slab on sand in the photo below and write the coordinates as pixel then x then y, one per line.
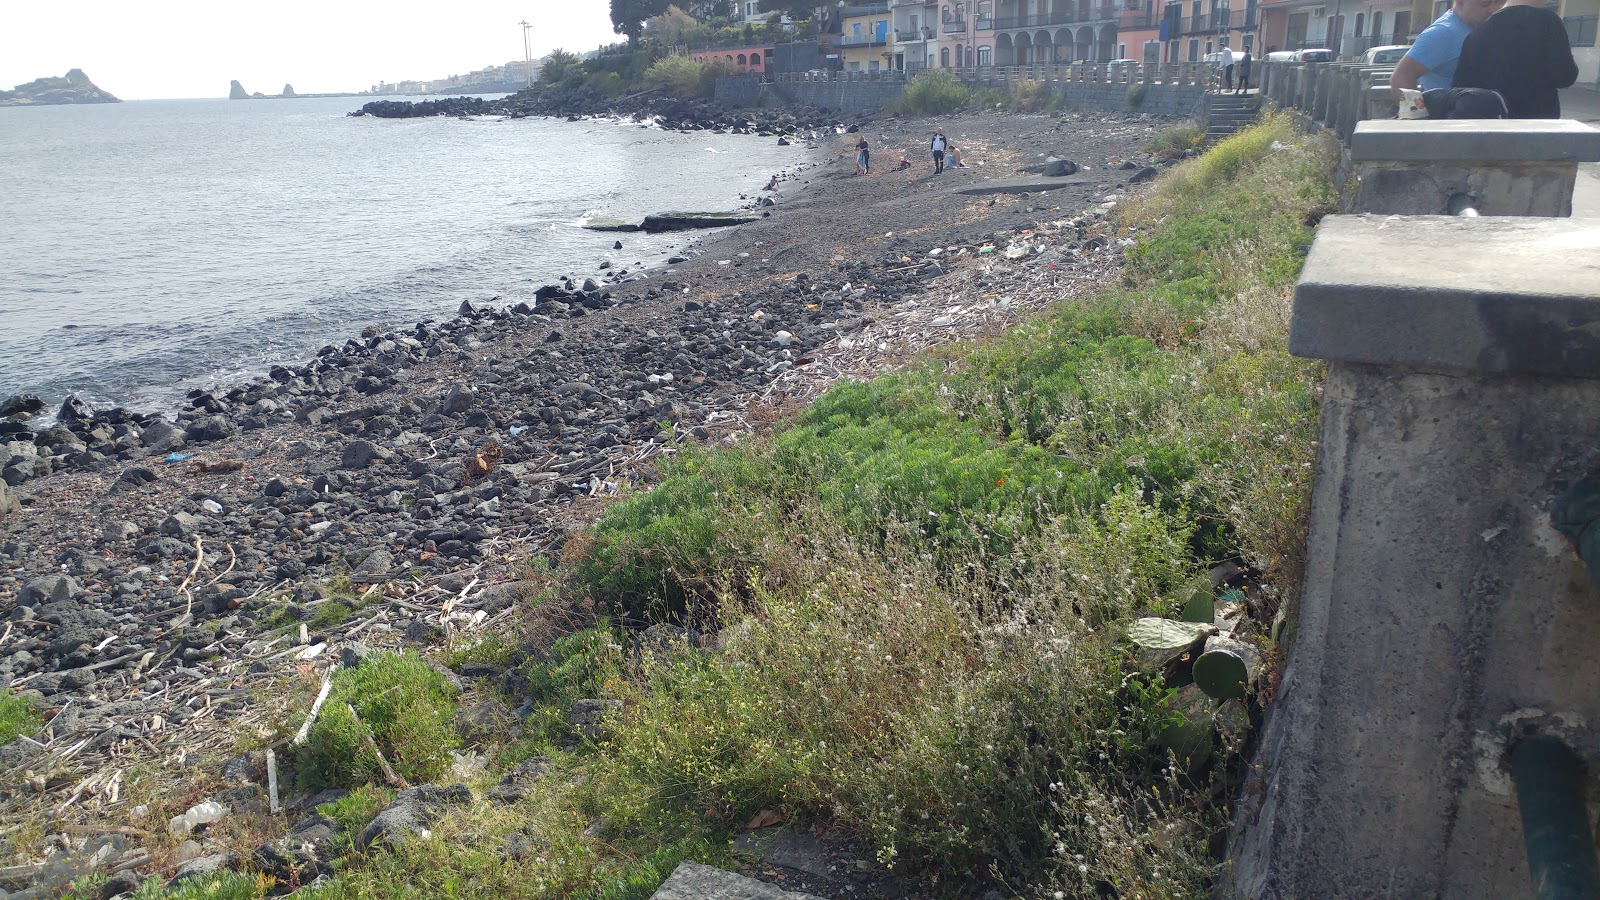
pixel 1028 184
pixel 693 881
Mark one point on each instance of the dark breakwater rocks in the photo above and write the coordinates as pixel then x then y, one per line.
pixel 670 112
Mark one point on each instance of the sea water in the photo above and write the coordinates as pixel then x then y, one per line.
pixel 150 247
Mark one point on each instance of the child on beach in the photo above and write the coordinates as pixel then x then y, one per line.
pixel 904 164
pixel 863 157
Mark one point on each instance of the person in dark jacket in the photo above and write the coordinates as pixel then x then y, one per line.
pixel 1244 73
pixel 1522 53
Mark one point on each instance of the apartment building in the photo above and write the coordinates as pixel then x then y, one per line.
pixel 865 40
pixel 1062 31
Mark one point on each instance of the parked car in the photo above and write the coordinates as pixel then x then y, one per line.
pixel 1281 56
pixel 1313 56
pixel 1384 56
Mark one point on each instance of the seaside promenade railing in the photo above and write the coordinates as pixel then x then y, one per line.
pixel 1203 75
pixel 1335 95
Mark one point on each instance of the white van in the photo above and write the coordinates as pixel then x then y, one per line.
pixel 1384 56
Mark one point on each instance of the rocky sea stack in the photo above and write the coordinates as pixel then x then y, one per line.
pixel 74 87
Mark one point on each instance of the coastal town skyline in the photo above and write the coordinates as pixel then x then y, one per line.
pixel 190 50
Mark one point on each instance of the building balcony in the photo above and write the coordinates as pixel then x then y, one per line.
pixel 913 35
pixel 955 26
pixel 985 23
pixel 865 40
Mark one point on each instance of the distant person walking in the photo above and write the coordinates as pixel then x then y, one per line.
pixel 863 157
pixel 938 144
pixel 1244 73
pixel 1522 53
pixel 1225 60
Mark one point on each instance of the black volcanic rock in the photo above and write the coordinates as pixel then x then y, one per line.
pixel 74 87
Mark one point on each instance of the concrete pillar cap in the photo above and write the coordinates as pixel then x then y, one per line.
pixel 1491 294
pixel 1475 141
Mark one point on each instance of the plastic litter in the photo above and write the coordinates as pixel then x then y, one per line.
pixel 211 506
pixel 517 429
pixel 175 456
pixel 201 814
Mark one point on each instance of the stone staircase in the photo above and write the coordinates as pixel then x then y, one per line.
pixel 1227 113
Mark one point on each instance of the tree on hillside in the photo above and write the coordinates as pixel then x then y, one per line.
pixel 627 16
pixel 556 65
pixel 672 28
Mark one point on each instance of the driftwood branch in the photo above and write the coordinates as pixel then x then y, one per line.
pixel 322 695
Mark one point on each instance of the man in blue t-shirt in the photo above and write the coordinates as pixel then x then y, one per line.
pixel 1431 61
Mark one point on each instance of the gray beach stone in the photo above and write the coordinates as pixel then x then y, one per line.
pixel 695 881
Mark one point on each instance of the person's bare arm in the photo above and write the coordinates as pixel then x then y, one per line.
pixel 1407 74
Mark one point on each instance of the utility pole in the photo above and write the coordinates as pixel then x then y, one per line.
pixel 527 51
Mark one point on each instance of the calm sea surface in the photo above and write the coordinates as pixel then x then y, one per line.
pixel 152 246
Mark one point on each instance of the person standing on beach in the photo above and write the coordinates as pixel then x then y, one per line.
pixel 1244 73
pixel 938 144
pixel 1522 53
pixel 863 157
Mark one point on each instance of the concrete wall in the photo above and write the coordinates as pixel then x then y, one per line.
pixel 739 90
pixel 864 96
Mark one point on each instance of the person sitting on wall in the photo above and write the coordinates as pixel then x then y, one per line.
pixel 1431 62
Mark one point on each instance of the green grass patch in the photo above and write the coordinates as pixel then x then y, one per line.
pixel 17 719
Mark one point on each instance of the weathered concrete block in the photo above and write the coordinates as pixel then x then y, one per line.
pixel 1439 603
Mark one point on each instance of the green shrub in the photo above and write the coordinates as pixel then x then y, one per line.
pixel 402 703
pixel 676 76
pixel 1173 142
pixel 1032 95
pixel 933 93
pixel 1135 94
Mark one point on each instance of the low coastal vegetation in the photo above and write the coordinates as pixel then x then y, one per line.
pixel 900 617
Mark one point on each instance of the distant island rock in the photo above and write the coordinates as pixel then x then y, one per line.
pixel 74 87
pixel 236 91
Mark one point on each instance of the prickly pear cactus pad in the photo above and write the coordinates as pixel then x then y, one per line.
pixel 1222 674
pixel 1165 634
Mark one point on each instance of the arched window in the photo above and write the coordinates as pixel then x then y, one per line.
pixel 985 56
pixel 944 57
pixel 755 60
pixel 741 59
pixel 958 54
pixel 1360 21
pixel 970 61
pixel 1377 24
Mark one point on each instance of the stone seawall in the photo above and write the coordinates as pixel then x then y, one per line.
pixel 865 96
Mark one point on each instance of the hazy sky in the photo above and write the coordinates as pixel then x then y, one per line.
pixel 181 48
